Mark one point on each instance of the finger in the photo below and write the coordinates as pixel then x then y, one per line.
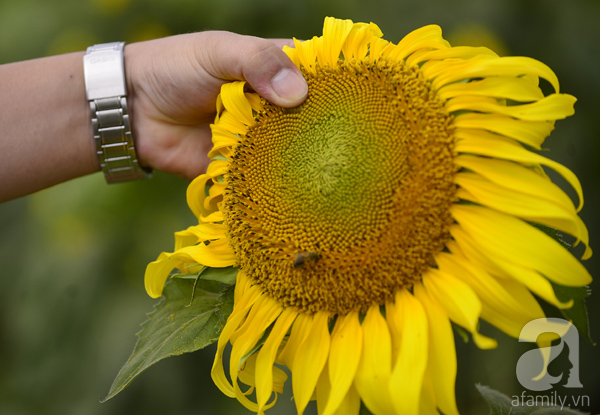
pixel 181 150
pixel 261 62
pixel 280 43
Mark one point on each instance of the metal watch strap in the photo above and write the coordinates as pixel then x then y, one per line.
pixel 106 92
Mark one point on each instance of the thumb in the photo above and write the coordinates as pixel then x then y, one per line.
pixel 260 62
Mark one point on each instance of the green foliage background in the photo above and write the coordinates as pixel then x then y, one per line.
pixel 72 258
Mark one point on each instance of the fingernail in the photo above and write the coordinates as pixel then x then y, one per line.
pixel 289 85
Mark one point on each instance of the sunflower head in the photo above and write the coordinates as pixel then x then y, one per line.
pixel 402 195
pixel 315 195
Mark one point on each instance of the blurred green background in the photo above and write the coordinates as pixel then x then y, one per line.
pixel 73 257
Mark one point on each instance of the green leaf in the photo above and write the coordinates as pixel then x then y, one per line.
pixel 225 275
pixel 226 305
pixel 578 313
pixel 177 326
pixel 501 404
pixel 552 232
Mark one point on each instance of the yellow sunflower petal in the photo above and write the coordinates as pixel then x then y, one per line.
pixel 323 389
pixel 292 53
pixel 516 177
pixel 442 354
pixel 263 313
pixel 240 310
pixel 375 367
pixel 501 320
pixel 217 254
pixel 462 52
pixel 247 372
pixel 427 37
pixel 357 43
pixel 519 242
pixel 498 266
pixel 309 360
pixel 279 378
pixel 226 130
pixel 242 285
pixel 219 109
pixel 348 405
pixel 232 123
pixel 248 375
pixel 377 47
pixel 459 301
pixel 306 54
pixel 215 196
pixel 344 356
pixel 186 238
pixel 199 233
pixel 427 402
pixel 157 273
pixel 336 31
pixel 506 304
pixel 196 191
pixel 516 89
pixel 222 143
pixel 408 327
pixel 552 107
pixel 236 103
pixel 446 72
pixel 531 133
pixel 299 331
pixel 529 206
pixel 491 145
pixel 255 101
pixel 267 354
pixel 263 310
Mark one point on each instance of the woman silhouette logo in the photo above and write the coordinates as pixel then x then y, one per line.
pixel 532 367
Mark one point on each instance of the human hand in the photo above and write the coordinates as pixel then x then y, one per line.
pixel 173 84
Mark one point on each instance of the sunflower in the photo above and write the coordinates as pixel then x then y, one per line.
pixel 403 195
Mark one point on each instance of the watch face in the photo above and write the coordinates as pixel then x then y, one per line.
pixel 104 71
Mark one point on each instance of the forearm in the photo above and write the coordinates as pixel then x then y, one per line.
pixel 45 125
pixel 172 87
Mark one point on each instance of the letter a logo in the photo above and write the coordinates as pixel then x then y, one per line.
pixel 532 367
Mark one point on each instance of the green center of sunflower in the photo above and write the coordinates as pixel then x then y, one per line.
pixel 337 204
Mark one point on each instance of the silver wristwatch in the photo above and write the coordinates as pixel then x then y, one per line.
pixel 106 91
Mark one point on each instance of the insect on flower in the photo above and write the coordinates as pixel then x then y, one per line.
pixel 300 258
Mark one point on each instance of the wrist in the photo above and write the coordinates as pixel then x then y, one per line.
pixel 139 59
